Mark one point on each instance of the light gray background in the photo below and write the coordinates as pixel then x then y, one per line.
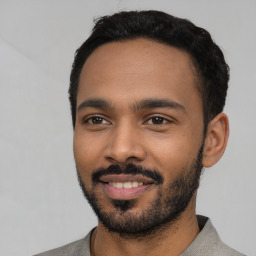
pixel 42 206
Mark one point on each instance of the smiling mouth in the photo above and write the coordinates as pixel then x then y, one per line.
pixel 125 187
pixel 129 184
pixel 126 180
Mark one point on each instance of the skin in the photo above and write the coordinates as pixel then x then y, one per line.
pixel 124 74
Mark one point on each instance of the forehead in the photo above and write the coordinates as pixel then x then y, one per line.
pixel 137 68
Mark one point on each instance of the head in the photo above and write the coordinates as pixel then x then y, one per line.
pixel 147 90
pixel 210 66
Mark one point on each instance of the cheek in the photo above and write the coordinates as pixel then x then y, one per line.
pixel 87 154
pixel 173 154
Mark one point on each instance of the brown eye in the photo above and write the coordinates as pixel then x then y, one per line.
pixel 158 120
pixel 96 120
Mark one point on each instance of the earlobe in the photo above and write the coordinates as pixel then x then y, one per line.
pixel 215 140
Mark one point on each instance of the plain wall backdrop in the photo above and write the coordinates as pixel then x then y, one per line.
pixel 41 205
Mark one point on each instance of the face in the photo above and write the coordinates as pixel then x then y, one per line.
pixel 138 135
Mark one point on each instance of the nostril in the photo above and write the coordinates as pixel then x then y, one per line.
pixel 124 161
pixel 123 149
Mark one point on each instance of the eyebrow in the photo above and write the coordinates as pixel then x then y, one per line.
pixel 157 103
pixel 95 103
pixel 135 107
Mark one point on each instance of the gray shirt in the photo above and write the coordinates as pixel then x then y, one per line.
pixel 207 243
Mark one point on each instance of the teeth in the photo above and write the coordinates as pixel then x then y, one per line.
pixel 119 185
pixel 129 184
pixel 135 184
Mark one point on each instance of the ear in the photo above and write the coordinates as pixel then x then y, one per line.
pixel 215 140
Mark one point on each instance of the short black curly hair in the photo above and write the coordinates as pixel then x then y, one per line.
pixel 208 59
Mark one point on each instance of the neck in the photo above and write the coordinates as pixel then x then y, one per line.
pixel 171 240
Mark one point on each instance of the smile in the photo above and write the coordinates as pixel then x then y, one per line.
pixel 121 192
pixel 125 187
pixel 129 184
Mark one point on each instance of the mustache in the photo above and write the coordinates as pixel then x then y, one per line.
pixel 127 169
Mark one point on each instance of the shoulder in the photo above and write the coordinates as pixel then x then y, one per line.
pixel 208 242
pixel 78 248
pixel 223 249
pixel 214 241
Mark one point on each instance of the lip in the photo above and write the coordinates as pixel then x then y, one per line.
pixel 124 193
pixel 126 178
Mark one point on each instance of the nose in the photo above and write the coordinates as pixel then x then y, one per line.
pixel 125 145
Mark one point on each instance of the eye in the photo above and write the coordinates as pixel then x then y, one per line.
pixel 158 120
pixel 96 120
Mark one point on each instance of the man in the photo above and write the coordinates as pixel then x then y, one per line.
pixel 147 91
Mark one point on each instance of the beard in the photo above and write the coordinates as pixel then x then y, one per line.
pixel 167 207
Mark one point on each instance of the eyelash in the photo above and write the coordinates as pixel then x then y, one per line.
pixel 164 120
pixel 88 119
